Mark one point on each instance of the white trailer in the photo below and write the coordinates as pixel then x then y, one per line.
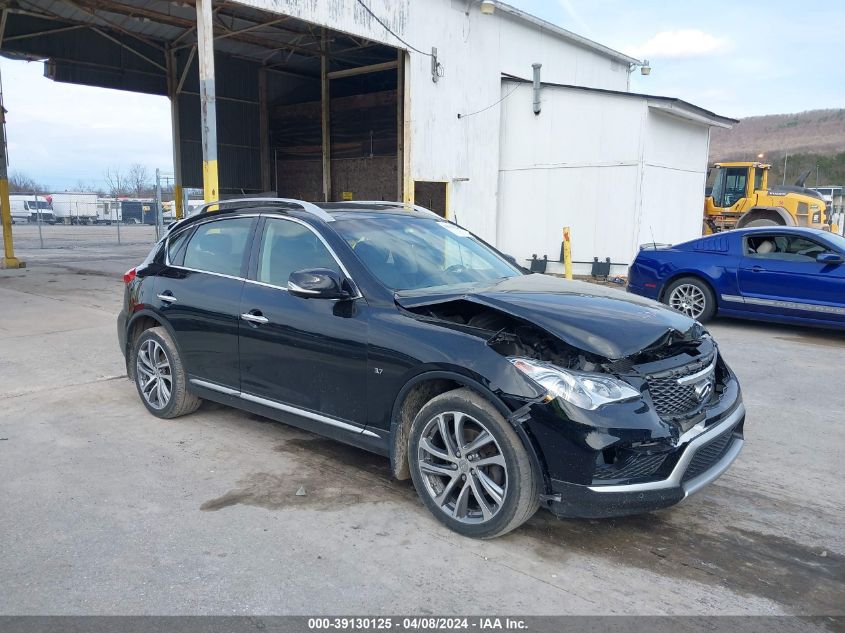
pixel 108 211
pixel 26 207
pixel 72 207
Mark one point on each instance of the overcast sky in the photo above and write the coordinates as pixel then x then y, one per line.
pixel 735 58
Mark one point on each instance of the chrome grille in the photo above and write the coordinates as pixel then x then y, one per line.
pixel 678 393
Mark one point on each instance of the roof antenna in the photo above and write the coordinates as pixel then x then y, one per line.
pixel 653 242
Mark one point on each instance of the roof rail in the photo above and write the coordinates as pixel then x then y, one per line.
pixel 309 207
pixel 395 204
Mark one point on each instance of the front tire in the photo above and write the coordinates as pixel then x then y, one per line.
pixel 469 466
pixel 691 296
pixel 160 375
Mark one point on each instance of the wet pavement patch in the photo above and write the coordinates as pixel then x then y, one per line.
pixel 805 580
pixel 276 492
pixel 331 475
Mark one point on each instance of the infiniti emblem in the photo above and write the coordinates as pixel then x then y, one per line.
pixel 703 388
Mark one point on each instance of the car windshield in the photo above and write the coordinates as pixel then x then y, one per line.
pixel 409 253
pixel 837 240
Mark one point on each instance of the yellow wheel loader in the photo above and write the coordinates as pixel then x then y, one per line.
pixel 741 197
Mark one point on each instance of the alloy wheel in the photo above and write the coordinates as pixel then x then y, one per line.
pixel 463 467
pixel 689 299
pixel 154 375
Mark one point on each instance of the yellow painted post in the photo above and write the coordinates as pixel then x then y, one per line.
pixel 567 254
pixel 9 259
pixel 177 201
pixel 208 101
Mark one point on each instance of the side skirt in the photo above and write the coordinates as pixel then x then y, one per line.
pixel 336 430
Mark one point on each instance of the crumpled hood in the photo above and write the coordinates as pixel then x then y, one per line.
pixel 600 320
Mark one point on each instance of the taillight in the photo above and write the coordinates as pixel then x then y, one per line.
pixel 129 275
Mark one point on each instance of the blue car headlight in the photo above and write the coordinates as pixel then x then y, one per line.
pixel 585 390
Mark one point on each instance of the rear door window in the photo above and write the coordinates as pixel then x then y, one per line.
pixel 219 246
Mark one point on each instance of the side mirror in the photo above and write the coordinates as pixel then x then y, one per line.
pixel 829 258
pixel 317 283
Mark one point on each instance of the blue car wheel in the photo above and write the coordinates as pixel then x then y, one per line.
pixel 692 297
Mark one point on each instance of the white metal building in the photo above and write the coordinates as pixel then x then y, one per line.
pixel 377 99
pixel 619 168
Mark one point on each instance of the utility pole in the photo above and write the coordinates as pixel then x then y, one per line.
pixel 9 259
pixel 785 158
pixel 208 102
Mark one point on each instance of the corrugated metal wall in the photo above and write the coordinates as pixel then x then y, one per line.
pixel 238 125
pixel 86 57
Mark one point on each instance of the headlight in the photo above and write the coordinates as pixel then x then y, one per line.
pixel 583 389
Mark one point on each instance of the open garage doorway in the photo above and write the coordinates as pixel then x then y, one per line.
pixel 432 195
pixel 360 158
pixel 302 110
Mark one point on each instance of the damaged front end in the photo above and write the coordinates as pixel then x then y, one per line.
pixel 619 435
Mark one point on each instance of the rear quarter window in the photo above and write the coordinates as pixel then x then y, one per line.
pixel 176 247
pixel 715 244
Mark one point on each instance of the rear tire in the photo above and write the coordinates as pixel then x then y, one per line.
pixel 479 482
pixel 160 375
pixel 691 296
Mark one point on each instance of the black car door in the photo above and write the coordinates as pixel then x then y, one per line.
pixel 199 294
pixel 306 356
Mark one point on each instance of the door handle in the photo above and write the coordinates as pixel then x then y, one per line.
pixel 255 316
pixel 167 297
pixel 756 269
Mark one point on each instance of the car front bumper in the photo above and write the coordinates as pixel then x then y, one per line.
pixel 706 453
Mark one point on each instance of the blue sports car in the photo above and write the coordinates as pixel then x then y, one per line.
pixel 785 274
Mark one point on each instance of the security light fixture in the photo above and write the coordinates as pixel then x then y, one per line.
pixel 488 7
pixel 645 69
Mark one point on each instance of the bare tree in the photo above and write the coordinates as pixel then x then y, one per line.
pixel 138 179
pixel 84 186
pixel 116 181
pixel 20 182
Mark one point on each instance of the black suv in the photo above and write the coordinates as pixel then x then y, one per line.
pixel 384 326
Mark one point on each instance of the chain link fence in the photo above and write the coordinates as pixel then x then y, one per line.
pixel 71 221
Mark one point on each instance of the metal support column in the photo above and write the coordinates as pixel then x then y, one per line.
pixel 159 209
pixel 208 104
pixel 9 259
pixel 264 130
pixel 400 124
pixel 175 132
pixel 326 119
